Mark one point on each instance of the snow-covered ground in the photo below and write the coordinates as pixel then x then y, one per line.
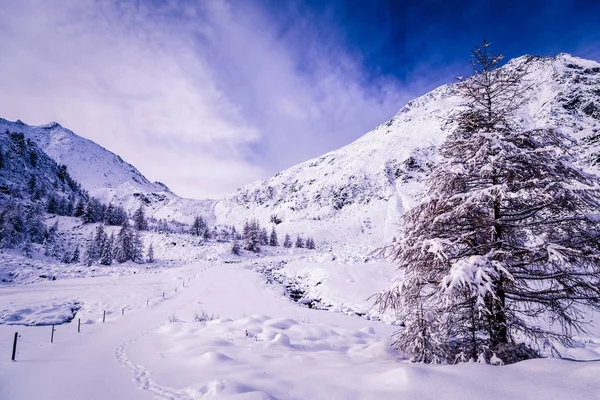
pixel 260 344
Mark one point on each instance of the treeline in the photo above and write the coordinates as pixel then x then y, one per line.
pixel 254 236
pixel 127 245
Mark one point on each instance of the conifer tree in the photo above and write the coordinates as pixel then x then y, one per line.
pixel 109 215
pixel 124 246
pixel 150 255
pixel 287 242
pixel 198 227
pixel 106 257
pixel 88 214
pixel 299 242
pixel 252 236
pixel 75 256
pixel 79 209
pixel 51 206
pixel 505 238
pixel 66 258
pixel 273 238
pixel 27 248
pixel 263 237
pixel 98 243
pixel 137 254
pixel 235 248
pixel 90 252
pixel 139 220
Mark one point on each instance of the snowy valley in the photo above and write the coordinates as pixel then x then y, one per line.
pixel 283 322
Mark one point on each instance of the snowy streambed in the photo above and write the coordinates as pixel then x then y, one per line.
pixel 320 283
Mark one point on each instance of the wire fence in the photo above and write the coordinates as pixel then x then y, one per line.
pixel 15 346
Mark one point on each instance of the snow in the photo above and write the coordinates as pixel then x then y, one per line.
pixel 260 345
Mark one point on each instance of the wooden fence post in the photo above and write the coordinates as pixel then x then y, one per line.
pixel 14 352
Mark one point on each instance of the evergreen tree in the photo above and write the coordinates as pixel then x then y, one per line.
pixel 150 255
pixel 235 248
pixel 27 248
pixel 88 214
pixel 34 226
pixel 505 236
pixel 198 227
pixel 90 252
pixel 139 220
pixel 263 237
pixel 299 242
pixel 51 206
pixel 137 254
pixel 310 243
pixel 124 246
pixel 273 238
pixel 109 215
pixel 98 243
pixel 70 207
pixel 287 242
pixel 114 215
pixel 251 236
pixel 75 257
pixel 79 209
pixel 66 258
pixel 106 257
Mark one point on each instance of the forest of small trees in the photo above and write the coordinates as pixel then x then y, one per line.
pixel 254 236
pixel 501 260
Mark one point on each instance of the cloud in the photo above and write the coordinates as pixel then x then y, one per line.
pixel 203 96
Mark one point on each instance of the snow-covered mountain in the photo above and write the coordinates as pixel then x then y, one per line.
pixel 354 195
pixel 105 175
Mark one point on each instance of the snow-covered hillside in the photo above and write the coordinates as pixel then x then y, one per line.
pixel 351 197
pixel 354 195
pixel 105 175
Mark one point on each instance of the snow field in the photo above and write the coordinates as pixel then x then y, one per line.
pixel 260 345
pixel 76 362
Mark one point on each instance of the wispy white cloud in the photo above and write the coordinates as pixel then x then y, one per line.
pixel 204 96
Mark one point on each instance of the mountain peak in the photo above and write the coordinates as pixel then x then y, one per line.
pixel 50 125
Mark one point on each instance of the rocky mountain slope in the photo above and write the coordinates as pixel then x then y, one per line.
pixel 105 175
pixel 27 173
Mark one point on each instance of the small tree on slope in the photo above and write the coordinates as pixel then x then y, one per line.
pixel 287 243
pixel 507 240
pixel 139 220
pixel 273 238
pixel 150 255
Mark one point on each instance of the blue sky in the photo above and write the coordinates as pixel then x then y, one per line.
pixel 209 95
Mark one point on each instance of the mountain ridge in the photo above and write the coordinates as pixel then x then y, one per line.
pixel 356 193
